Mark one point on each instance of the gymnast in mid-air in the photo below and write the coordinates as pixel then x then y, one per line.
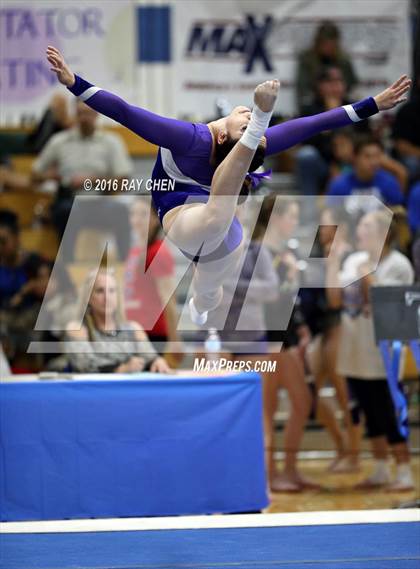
pixel 210 165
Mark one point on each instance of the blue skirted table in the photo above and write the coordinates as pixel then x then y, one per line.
pixel 149 446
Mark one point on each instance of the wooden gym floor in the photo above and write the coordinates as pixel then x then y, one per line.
pixel 337 492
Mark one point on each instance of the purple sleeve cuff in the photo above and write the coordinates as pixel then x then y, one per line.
pixel 366 108
pixel 80 86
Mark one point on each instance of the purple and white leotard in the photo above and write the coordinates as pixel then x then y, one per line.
pixel 185 148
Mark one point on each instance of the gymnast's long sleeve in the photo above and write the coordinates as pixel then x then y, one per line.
pixel 289 133
pixel 175 135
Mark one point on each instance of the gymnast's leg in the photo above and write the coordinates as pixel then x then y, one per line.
pixel 206 225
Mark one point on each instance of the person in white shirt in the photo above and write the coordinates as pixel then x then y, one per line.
pixel 80 158
pixel 359 358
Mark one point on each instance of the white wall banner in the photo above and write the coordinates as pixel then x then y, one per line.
pixel 227 48
pixel 177 57
pixel 97 39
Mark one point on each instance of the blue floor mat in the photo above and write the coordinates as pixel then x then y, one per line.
pixel 353 546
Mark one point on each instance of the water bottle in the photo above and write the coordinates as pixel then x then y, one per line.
pixel 212 345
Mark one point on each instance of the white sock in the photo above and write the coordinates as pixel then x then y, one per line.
pixel 256 128
pixel 404 475
pixel 198 318
pixel 381 474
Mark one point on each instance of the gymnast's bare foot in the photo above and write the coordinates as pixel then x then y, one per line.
pixel 265 95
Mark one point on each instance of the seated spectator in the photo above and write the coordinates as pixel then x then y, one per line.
pixel 16 265
pixel 57 310
pixel 406 133
pixel 413 208
pixel 359 358
pixel 342 151
pixel 367 178
pixel 23 281
pixel 23 312
pixel 326 50
pixel 85 153
pixel 414 221
pixel 315 156
pixel 55 119
pixel 106 342
pixel 39 274
pixel 416 256
pixel 59 306
pixel 147 285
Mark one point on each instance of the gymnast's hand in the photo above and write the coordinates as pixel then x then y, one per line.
pixel 394 94
pixel 64 74
pixel 265 95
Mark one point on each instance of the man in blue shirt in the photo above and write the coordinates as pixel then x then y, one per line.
pixel 16 265
pixel 367 178
pixel 413 208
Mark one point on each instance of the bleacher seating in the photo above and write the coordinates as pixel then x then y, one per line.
pixel 25 204
pixel 41 240
pixel 136 146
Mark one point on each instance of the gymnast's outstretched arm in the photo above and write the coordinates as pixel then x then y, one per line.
pixel 175 135
pixel 292 132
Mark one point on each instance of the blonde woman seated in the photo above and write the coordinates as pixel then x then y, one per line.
pixel 108 343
